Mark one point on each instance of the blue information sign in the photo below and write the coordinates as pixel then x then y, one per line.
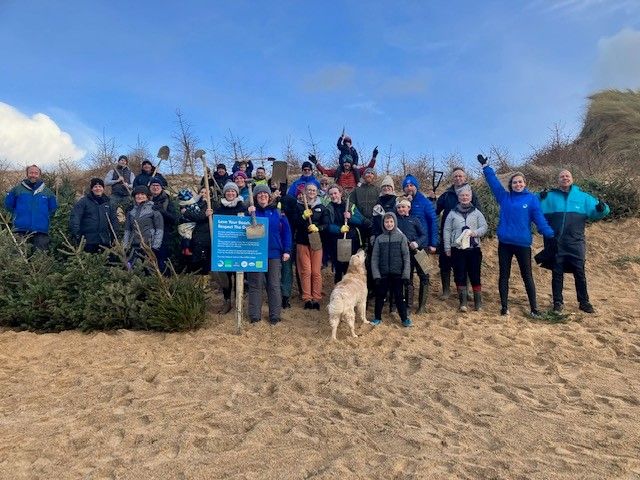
pixel 232 251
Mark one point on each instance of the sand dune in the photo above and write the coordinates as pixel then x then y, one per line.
pixel 458 396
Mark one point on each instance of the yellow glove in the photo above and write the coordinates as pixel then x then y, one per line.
pixel 307 213
pixel 344 229
pixel 312 228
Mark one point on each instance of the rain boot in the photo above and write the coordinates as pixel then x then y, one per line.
pixel 462 298
pixel 445 278
pixel 409 297
pixel 477 300
pixel 422 297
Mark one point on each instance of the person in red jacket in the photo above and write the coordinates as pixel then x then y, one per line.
pixel 346 175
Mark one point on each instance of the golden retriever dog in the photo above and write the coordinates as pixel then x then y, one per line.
pixel 349 296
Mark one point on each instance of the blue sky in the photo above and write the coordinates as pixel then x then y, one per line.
pixel 423 77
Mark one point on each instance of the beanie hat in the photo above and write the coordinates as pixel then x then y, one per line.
pixel 147 162
pixel 141 189
pixel 388 181
pixel 155 180
pixel 185 195
pixel 300 189
pixel 463 188
pixel 230 186
pixel 410 180
pixel 347 159
pixel 368 170
pixel 221 165
pixel 95 181
pixel 306 164
pixel 347 138
pixel 123 157
pixel 403 201
pixel 239 173
pixel 262 188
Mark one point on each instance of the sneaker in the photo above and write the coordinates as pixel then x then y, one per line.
pixel 535 314
pixel 557 307
pixel 308 305
pixel 463 308
pixel 407 322
pixel 504 311
pixel 376 322
pixel 587 308
pixel 316 306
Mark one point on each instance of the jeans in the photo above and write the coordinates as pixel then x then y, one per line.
pixel 256 281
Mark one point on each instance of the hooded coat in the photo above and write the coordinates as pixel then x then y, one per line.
pixel 391 253
pixel 90 218
pixel 150 223
pixel 32 205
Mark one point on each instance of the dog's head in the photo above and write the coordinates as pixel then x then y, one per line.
pixel 356 263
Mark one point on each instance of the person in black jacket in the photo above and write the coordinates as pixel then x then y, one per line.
pixel 94 218
pixel 167 208
pixel 345 146
pixel 146 174
pixel 446 202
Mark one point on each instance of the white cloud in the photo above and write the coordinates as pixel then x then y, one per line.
pixel 368 106
pixel 37 139
pixel 582 8
pixel 618 64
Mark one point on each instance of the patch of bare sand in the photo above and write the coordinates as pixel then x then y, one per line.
pixel 457 396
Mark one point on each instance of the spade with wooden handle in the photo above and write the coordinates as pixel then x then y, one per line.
pixel 255 229
pixel 315 242
pixel 345 245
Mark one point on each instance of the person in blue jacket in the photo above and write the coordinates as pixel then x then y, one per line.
pixel 518 209
pixel 306 177
pixel 567 208
pixel 279 250
pixel 422 208
pixel 32 204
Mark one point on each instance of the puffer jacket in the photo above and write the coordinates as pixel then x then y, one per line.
pixel 150 223
pixel 170 215
pixel 448 201
pixel 567 213
pixel 517 211
pixel 413 229
pixel 456 222
pixel 365 197
pixel 279 230
pixel 391 253
pixel 90 218
pixel 422 208
pixel 32 206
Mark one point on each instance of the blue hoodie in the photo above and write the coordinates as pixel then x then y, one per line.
pixel 422 208
pixel 517 211
pixel 304 179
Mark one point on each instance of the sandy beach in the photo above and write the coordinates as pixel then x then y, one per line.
pixel 470 395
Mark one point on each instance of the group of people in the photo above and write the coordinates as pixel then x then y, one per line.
pixel 307 219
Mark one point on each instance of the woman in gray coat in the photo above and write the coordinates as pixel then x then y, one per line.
pixel 143 225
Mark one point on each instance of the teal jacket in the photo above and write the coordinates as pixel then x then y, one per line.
pixel 567 213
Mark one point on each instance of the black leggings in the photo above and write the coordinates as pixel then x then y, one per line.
pixel 506 252
pixel 465 263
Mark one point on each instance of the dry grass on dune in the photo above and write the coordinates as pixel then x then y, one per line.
pixel 457 396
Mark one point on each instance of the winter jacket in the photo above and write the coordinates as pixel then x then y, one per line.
pixel 335 212
pixel 111 179
pixel 386 203
pixel 422 208
pixel 170 215
pixel 365 197
pixel 457 221
pixel 391 253
pixel 279 231
pixel 248 171
pixel 567 213
pixel 517 211
pixel 303 180
pixel 221 180
pixel 91 217
pixel 143 179
pixel 448 201
pixel 32 205
pixel 413 229
pixel 320 219
pixel 344 151
pixel 150 223
pixel 347 180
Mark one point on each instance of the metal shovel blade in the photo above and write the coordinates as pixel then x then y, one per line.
pixel 423 260
pixel 255 231
pixel 344 249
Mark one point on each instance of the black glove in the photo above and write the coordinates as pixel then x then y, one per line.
pixel 375 152
pixel 313 159
pixel 482 160
pixel 600 206
pixel 543 194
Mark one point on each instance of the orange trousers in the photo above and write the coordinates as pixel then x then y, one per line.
pixel 309 264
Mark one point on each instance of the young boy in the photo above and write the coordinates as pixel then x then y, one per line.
pixel 390 266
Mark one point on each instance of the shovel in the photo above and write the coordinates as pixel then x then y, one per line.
pixel 255 230
pixel 422 258
pixel 345 245
pixel 279 172
pixel 315 242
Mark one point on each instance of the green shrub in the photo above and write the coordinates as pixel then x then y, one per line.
pixel 620 194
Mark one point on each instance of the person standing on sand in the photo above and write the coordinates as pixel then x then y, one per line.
pixel 518 209
pixel 567 209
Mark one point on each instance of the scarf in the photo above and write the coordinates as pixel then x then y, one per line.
pixel 230 203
